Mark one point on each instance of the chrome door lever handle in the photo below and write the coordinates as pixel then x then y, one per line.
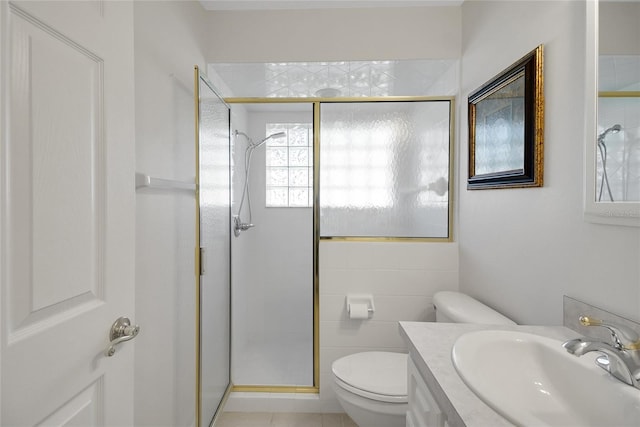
pixel 121 331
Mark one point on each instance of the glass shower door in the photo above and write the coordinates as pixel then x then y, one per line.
pixel 214 215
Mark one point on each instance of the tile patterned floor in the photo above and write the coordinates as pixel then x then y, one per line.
pixel 267 419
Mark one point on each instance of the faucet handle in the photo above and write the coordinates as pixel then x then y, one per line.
pixel 624 338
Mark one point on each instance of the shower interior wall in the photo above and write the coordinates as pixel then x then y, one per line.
pixel 272 276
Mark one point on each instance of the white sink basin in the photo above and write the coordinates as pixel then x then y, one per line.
pixel 532 381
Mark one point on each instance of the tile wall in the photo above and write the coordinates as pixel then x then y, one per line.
pixel 401 276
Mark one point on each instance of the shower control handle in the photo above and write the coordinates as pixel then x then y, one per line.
pixel 239 226
pixel 120 331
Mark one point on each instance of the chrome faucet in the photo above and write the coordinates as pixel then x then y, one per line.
pixel 621 358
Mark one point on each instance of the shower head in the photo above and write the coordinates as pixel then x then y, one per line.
pixel 274 135
pixel 613 129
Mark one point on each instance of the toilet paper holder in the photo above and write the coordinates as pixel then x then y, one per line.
pixel 360 300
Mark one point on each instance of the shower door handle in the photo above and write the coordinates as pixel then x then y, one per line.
pixel 120 331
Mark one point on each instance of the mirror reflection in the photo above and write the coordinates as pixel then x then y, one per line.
pixel 618 133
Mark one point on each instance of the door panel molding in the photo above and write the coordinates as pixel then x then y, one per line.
pixel 55 158
pixel 83 409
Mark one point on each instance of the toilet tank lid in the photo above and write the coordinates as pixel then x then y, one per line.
pixel 462 308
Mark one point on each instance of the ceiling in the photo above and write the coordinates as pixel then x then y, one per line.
pixel 346 78
pixel 319 4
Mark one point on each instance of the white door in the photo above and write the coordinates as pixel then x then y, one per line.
pixel 66 211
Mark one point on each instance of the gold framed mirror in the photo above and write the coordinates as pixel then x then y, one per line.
pixel 506 127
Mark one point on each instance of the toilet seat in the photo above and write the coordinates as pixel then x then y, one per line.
pixel 375 375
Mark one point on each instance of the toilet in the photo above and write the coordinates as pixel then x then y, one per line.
pixel 372 386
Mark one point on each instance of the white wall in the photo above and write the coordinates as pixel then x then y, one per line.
pixel 169 40
pixel 335 34
pixel 522 249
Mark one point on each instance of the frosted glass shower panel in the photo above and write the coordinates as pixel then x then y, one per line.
pixel 384 169
pixel 215 239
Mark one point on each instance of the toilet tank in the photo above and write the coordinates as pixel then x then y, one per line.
pixel 456 307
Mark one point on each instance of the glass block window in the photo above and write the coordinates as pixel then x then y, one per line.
pixel 289 165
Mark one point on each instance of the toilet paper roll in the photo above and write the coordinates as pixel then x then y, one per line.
pixel 359 311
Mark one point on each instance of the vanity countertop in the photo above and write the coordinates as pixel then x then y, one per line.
pixel 430 347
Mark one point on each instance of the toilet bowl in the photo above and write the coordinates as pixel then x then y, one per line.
pixel 372 386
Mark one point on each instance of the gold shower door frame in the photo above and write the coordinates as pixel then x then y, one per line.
pixel 198 422
pixel 315 388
